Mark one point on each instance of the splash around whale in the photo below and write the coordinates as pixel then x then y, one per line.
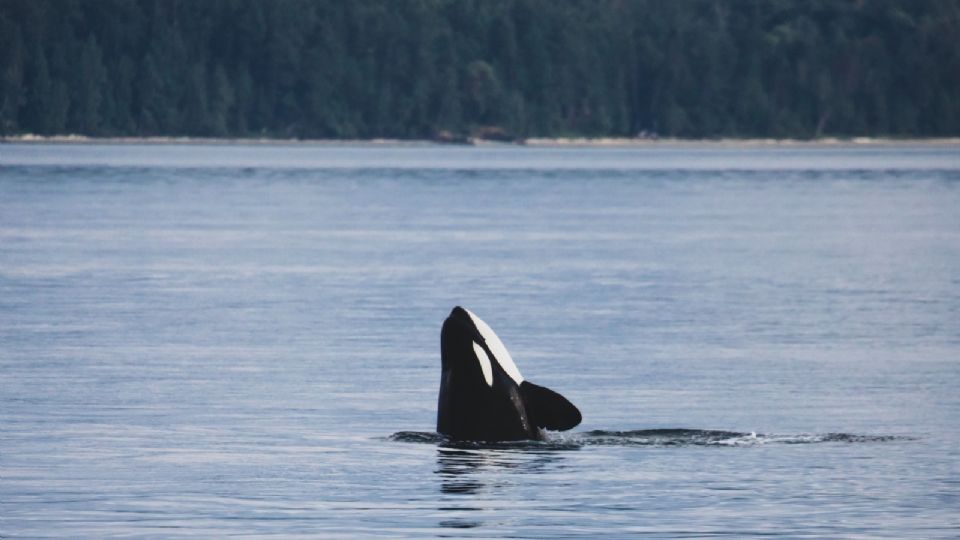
pixel 656 438
pixel 483 396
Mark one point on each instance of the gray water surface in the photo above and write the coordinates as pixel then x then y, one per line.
pixel 244 340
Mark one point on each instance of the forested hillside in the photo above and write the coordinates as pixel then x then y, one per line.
pixel 518 68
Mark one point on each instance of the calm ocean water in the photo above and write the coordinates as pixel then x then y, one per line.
pixel 244 340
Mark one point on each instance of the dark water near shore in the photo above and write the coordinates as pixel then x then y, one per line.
pixel 243 340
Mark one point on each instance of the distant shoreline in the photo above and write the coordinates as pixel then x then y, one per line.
pixel 538 142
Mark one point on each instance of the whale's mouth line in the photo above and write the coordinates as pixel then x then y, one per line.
pixel 679 437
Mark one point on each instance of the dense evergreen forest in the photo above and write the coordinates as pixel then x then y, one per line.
pixel 509 68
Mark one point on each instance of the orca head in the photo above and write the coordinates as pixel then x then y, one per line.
pixel 483 396
pixel 463 330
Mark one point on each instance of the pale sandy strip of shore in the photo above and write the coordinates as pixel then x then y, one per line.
pixel 599 142
pixel 83 139
pixel 824 141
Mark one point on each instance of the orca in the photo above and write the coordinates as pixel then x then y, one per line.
pixel 483 396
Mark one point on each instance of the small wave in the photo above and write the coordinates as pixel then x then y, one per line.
pixel 429 437
pixel 648 437
pixel 663 437
pixel 838 437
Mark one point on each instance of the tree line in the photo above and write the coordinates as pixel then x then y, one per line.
pixel 511 68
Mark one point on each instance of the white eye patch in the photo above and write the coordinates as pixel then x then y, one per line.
pixel 499 352
pixel 484 363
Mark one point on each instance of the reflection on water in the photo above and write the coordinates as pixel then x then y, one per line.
pixel 457 471
pixel 467 472
pixel 460 469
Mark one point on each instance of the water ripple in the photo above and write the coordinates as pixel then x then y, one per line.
pixel 647 437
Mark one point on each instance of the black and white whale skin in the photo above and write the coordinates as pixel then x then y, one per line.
pixel 483 397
